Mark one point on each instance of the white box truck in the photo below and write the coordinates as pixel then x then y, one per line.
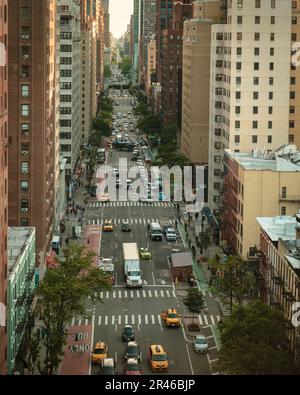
pixel 132 271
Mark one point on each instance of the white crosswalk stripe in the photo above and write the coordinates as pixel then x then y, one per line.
pixel 206 320
pixel 139 320
pixel 146 319
pixel 120 320
pixel 200 319
pixel 144 293
pixel 106 320
pixel 129 204
pixel 150 293
pixel 126 319
pixel 212 319
pixel 161 293
pixel 132 319
pixel 156 294
pixel 218 318
pixel 152 319
pixel 138 293
pixel 168 293
pixel 73 321
pixel 99 320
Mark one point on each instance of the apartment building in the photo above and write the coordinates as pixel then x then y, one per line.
pixel 31 119
pixel 196 80
pixel 3 183
pixel 250 84
pixel 70 86
pixel 257 185
pixel 107 41
pixel 20 292
pixel 279 269
pixel 147 31
pixel 171 64
pixel 151 64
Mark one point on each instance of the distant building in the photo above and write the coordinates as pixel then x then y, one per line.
pixel 20 291
pixel 151 65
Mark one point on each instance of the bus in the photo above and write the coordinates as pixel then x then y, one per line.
pixel 123 146
pixel 101 156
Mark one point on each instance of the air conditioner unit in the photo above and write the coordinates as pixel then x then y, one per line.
pixel 25 35
pixel 26 56
pixel 24 210
pixel 24 152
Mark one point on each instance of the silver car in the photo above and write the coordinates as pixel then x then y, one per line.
pixel 200 344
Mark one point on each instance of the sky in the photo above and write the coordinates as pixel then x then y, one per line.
pixel 120 11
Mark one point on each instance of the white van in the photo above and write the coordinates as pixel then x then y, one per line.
pixel 155 231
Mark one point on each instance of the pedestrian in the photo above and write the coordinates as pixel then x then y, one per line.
pixel 176 223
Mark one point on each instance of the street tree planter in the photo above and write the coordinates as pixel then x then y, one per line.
pixel 193 327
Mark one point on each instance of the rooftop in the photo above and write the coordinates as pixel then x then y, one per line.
pixel 181 259
pixel 280 227
pixel 18 239
pixel 286 158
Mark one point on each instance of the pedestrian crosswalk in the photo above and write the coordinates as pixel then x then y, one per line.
pixel 129 204
pixel 137 320
pixel 138 293
pixel 132 221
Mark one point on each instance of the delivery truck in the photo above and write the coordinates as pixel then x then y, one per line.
pixel 132 271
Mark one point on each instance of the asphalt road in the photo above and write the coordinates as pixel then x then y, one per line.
pixel 141 308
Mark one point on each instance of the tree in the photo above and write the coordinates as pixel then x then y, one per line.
pixel 103 126
pixel 107 71
pixel 125 66
pixel 254 342
pixel 63 293
pixel 232 277
pixel 205 240
pixel 194 301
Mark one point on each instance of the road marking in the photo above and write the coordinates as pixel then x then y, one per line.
pixel 114 294
pixel 190 362
pixel 210 294
pixel 101 295
pixel 116 357
pixel 161 293
pixel 125 294
pixel 152 319
pixel 174 293
pixel 120 294
pixel 73 321
pixel 131 294
pixel 153 278
pixel 144 293
pixel 159 320
pixel 139 320
pixel 126 319
pixel 203 292
pixel 112 319
pixel 146 319
pixel 200 319
pixel 218 318
pixel 209 337
pixel 150 293
pixel 168 293
pixel 79 321
pixel 205 319
pixel 106 320
pixel 138 293
pixel 107 294
pixel 119 319
pixel 86 322
pixel 156 294
pixel 212 319
pixel 132 319
pixel 99 320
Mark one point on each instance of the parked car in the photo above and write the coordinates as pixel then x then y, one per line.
pixel 128 333
pixel 171 234
pixel 200 344
pixel 132 350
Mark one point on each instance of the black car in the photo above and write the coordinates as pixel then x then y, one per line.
pixel 128 333
pixel 126 227
pixel 132 350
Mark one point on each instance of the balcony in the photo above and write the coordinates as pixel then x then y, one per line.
pixel 277 280
pixel 21 299
pixel 30 274
pixel 290 198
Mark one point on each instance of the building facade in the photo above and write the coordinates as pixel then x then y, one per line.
pixel 196 81
pixel 256 186
pixel 151 65
pixel 70 86
pixel 3 183
pixel 32 117
pixel 250 84
pixel 279 268
pixel 20 291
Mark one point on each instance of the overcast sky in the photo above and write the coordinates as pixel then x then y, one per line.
pixel 120 11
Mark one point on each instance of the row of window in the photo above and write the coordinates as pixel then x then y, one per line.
pixel 257 3
pixel 237 139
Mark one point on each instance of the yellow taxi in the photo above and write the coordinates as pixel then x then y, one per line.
pixel 158 358
pixel 108 226
pixel 100 352
pixel 171 317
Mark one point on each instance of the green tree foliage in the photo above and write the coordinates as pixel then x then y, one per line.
pixel 63 293
pixel 194 301
pixel 254 342
pixel 107 71
pixel 205 240
pixel 150 124
pixel 232 277
pixel 125 66
pixel 102 126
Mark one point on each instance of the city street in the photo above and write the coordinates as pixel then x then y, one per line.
pixel 141 308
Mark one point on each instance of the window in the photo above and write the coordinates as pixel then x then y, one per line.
pixel 294 20
pixel 24 167
pixel 255 80
pixel 237 124
pixel 271 81
pixel 239 65
pixel 270 124
pixel 272 20
pixel 271 66
pixel 254 124
pixel 293 80
pixel 283 192
pixel 237 139
pixel 239 36
pixel 256 66
pixel 292 124
pixel 239 19
pixel 24 186
pixel 294 37
pixel 24 205
pixel 25 110
pixel 272 51
pixel 255 95
pixel 272 36
pixel 65 48
pixel 273 3
pixel 24 222
pixel 65 98
pixel 292 109
pixel 269 139
pixel 25 129
pixel 25 90
pixel 238 80
pixel 237 109
pixel 24 148
pixel 66 73
pixel 66 85
pixel 270 110
pixel 256 36
pixel 24 71
pixel 65 60
pixel 254 139
pixel 25 12
pixel 66 35
pixel 255 110
pixel 291 138
pixel 257 20
pixel 65 123
pixel 65 110
pixel 271 95
pixel 218 145
pixel 257 3
pixel 256 51
pixel 283 210
pixel 238 95
pixel 239 51
pixel 292 95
